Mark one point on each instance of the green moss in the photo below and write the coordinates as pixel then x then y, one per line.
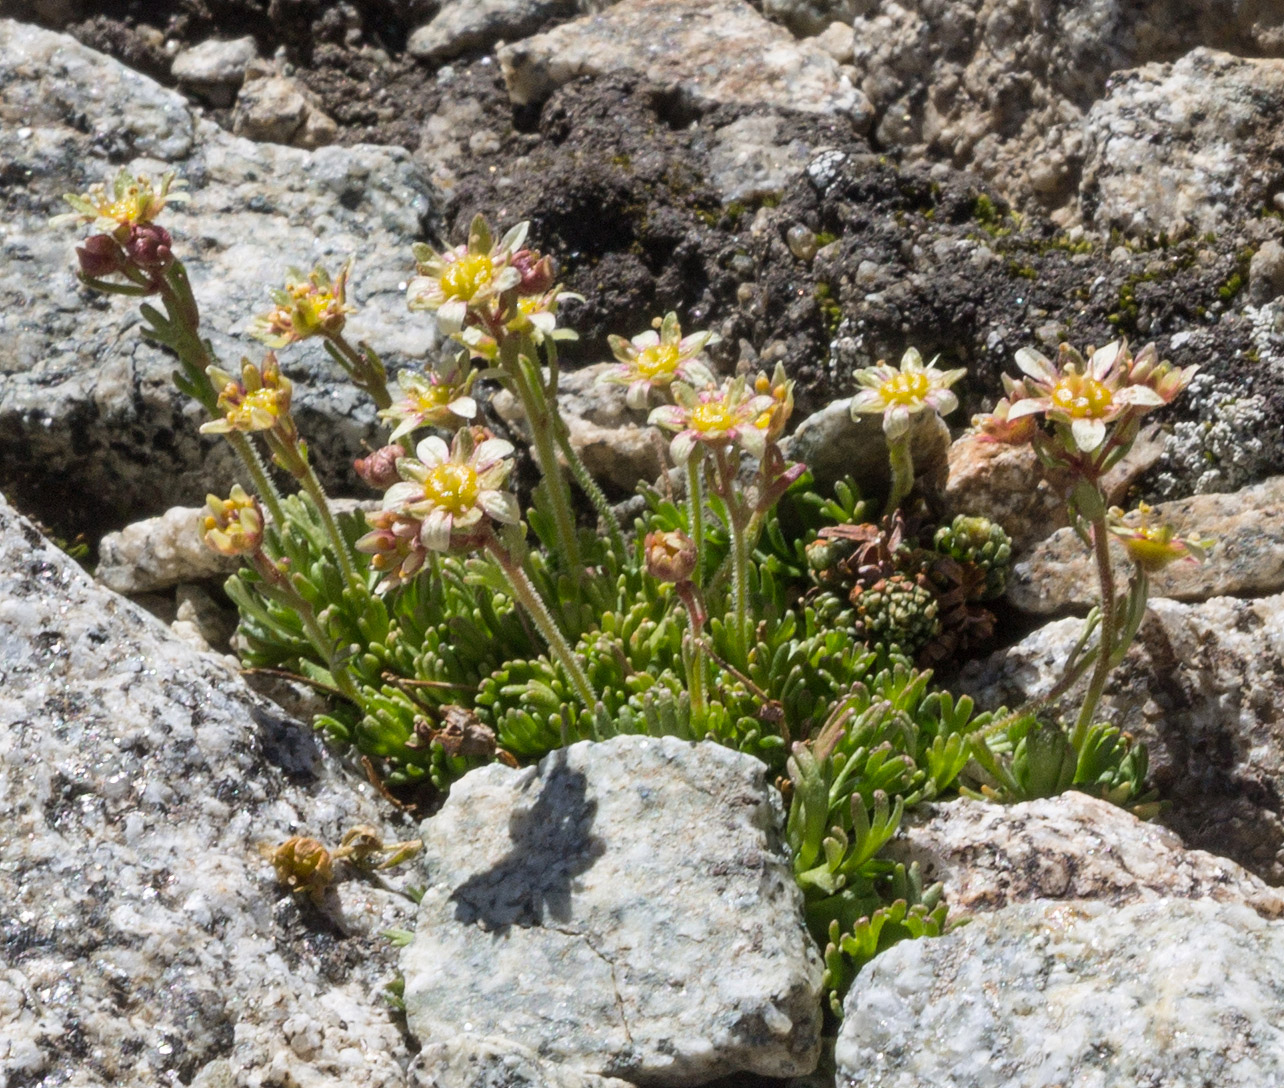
pixel 830 311
pixel 825 237
pixel 1237 280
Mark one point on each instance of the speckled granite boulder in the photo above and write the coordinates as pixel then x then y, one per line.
pixel 710 52
pixel 624 908
pixel 1202 686
pixel 90 425
pixel 1188 146
pixel 1174 992
pixel 143 940
pixel 1068 847
pixel 1246 559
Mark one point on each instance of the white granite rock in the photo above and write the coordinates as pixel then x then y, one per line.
pixel 1246 557
pixel 1068 847
pixel 281 110
pixel 215 68
pixel 1184 147
pixel 160 552
pixel 1172 992
pixel 1203 687
pixel 472 1062
pixel 708 52
pixel 143 939
pixel 625 909
pixel 464 25
pixel 89 420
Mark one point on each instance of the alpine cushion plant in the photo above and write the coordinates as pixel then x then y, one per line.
pixel 752 611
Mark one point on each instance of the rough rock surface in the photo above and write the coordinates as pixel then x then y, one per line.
pixel 159 553
pixel 214 69
pixel 143 940
pixel 281 110
pixel 624 908
pixel 473 1062
pixel 1041 995
pixel 1068 847
pixel 1202 687
pixel 705 52
pixel 464 25
pixel 1184 147
pixel 1246 559
pixel 91 430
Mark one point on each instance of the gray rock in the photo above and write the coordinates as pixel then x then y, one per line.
pixel 90 424
pixel 708 52
pixel 1042 995
pixel 215 69
pixel 281 110
pixel 832 445
pixel 145 941
pixel 159 553
pixel 1201 687
pixel 1184 147
pixel 1246 559
pixel 472 1062
pixel 1068 847
pixel 624 908
pixel 465 25
pixel 1266 273
pixel 756 156
pixel 807 17
pixel 838 40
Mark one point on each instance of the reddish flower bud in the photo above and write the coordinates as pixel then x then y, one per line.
pixel 149 246
pixel 537 272
pixel 379 470
pixel 100 256
pixel 670 557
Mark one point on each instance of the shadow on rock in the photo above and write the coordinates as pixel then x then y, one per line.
pixel 552 844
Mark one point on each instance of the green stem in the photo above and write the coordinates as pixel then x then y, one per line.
pixel 529 386
pixel 902 465
pixel 292 459
pixel 1106 638
pixel 695 510
pixel 589 486
pixel 530 600
pixel 365 368
pixel 259 478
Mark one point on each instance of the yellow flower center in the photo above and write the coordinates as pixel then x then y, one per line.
pixel 468 275
pixel 427 398
pixel 453 487
pixel 1081 397
pixel 242 409
pixel 660 361
pixel 911 387
pixel 711 417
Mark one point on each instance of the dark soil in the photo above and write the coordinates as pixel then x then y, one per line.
pixel 614 178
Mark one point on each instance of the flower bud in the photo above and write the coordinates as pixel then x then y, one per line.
pixel 100 256
pixel 537 272
pixel 379 470
pixel 149 246
pixel 670 557
pixel 302 865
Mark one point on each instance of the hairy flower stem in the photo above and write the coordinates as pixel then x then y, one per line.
pixel 902 465
pixel 693 653
pixel 738 520
pixel 535 607
pixel 1106 638
pixel 286 450
pixel 695 510
pixel 364 368
pixel 528 384
pixel 259 478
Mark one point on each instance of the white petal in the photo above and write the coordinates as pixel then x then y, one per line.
pixel 668 416
pixel 911 360
pixel 1140 395
pixel 463 407
pixel 681 447
pixel 867 400
pixel 512 241
pixel 450 316
pixel 432 451
pixel 1103 360
pixel 507 279
pixel 491 452
pixel 1034 364
pixel 1028 407
pixel 500 505
pixel 399 494
pixel 1088 433
pixel 943 401
pixel 696 374
pixel 648 339
pixel 637 395
pixel 896 421
pixel 434 533
pixel 752 440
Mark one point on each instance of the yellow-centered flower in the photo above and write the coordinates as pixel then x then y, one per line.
pixel 255 403
pixel 1153 547
pixel 897 393
pixel 233 526
pixel 467 277
pixel 655 360
pixel 439 398
pixel 311 305
pixel 714 418
pixel 131 201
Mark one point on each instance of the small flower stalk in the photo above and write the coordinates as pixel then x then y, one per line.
pixel 1082 414
pixel 898 394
